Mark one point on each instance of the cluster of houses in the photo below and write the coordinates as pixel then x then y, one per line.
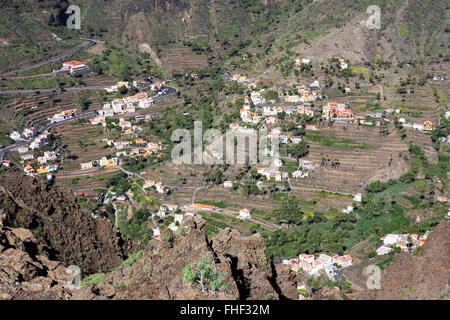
pixel 239 79
pixel 342 63
pixel 63 115
pixel 38 142
pixel 73 67
pixel 177 221
pixel 249 116
pixel 297 104
pixel 48 169
pixel 405 242
pixel 427 126
pixel 159 186
pixel 48 156
pixel 314 265
pixel 103 162
pixel 122 106
pixel 135 152
pixel 165 209
pixel 27 133
pixel 304 94
pixel 299 62
pixel 270 173
pixel 120 84
pixel 335 110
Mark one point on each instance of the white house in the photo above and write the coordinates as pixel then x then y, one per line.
pixel 348 209
pixel 383 250
pixel 306 61
pixel 299 174
pixel 245 213
pixel 156 231
pixel 390 239
pixel 357 197
pixel 326 259
pixel 277 162
pixel 86 165
pixel 296 140
pixel 15 135
pixel 173 227
pixel 145 103
pixel 104 162
pixel 306 257
pixel 29 132
pixel 228 184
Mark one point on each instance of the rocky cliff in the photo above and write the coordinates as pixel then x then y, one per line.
pixel 44 232
pixel 62 232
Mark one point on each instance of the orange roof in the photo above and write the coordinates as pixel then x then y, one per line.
pixel 73 63
pixel 203 206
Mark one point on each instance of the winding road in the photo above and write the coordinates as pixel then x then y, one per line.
pixel 44 128
pixel 57 58
pixel 170 92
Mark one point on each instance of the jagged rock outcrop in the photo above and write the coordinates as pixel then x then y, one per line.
pixel 26 274
pixel 44 232
pixel 158 274
pixel 61 230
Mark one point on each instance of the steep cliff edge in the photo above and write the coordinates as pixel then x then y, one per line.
pixel 158 274
pixel 44 232
pixel 61 230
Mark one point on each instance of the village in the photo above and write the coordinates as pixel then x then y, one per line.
pixel 291 113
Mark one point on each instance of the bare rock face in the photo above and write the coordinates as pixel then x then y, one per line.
pixel 26 275
pixel 61 230
pixel 44 232
pixel 158 274
pixel 327 293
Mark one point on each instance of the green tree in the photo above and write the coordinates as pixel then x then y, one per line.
pixel 205 274
pixel 299 150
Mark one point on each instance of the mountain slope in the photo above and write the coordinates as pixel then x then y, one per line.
pixel 425 275
pixel 62 232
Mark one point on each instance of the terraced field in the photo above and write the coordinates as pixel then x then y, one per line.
pixel 356 165
pixel 183 58
pixel 85 183
pixel 425 143
pixel 90 147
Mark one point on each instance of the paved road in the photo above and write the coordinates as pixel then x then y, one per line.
pixel 50 91
pixel 57 58
pixel 171 91
pixel 44 128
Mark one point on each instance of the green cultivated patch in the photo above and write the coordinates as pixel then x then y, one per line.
pixel 338 143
